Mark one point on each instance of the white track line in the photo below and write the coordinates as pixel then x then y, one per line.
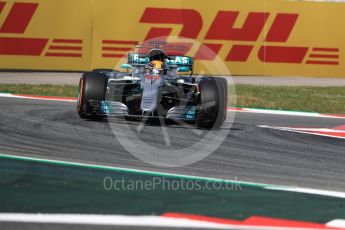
pixel 122 220
pixel 279 112
pixel 314 129
pixel 111 220
pixel 338 223
pixel 33 97
pixel 286 113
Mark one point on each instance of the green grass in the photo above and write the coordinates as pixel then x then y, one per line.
pixel 42 90
pixel 310 99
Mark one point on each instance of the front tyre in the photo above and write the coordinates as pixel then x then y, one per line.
pixel 92 88
pixel 212 102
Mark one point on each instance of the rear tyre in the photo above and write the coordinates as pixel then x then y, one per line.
pixel 213 102
pixel 92 87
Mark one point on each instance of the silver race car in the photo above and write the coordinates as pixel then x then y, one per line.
pixel 155 85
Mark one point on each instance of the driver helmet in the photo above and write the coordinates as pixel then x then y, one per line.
pixel 157 59
pixel 157 55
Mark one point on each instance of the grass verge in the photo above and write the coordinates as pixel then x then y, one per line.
pixel 309 99
pixel 301 98
pixel 41 90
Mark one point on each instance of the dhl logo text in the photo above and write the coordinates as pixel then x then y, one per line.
pixel 222 30
pixel 272 45
pixel 17 22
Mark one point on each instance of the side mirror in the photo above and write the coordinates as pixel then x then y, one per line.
pixel 125 66
pixel 183 69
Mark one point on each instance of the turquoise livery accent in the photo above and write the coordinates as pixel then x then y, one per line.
pixel 191 114
pixel 104 108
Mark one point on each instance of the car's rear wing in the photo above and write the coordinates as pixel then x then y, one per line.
pixel 173 61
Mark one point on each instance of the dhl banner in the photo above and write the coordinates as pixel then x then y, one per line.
pixel 252 37
pixel 45 35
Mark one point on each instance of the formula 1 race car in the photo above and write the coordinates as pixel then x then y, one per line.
pixel 154 86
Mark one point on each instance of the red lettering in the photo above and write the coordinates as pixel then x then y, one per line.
pixel 323 62
pixel 281 27
pixel 207 51
pixel 324 56
pixel 2 5
pixel 113 42
pixel 155 34
pixel 222 26
pixel 280 54
pixel 113 55
pixel 76 41
pixel 239 53
pixel 22 46
pixel 319 49
pixel 158 33
pixel 19 18
pixel 62 55
pixel 190 19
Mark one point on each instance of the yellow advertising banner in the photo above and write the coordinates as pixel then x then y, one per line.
pixel 45 35
pixel 248 37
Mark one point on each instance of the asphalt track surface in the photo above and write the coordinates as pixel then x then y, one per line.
pixel 53 130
